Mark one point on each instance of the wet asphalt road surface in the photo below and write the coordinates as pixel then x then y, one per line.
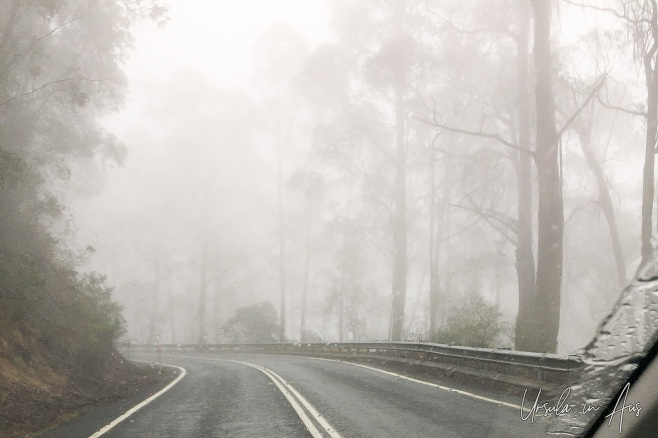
pixel 222 398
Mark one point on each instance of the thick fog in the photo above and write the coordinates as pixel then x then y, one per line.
pixel 366 170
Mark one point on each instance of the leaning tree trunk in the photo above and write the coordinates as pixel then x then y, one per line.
pixel 605 203
pixel 550 209
pixel 524 338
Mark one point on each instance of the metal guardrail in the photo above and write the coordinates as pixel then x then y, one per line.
pixel 548 368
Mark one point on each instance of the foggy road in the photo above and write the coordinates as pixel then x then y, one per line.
pixel 227 396
pixel 478 175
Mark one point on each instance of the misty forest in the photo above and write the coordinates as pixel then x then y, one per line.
pixel 469 172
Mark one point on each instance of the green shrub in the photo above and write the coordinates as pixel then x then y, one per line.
pixel 475 323
pixel 256 323
pixel 20 287
pixel 100 319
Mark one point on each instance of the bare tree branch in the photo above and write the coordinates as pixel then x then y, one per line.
pixel 618 108
pixel 437 124
pixel 491 220
pixel 616 13
pixel 48 84
pixel 451 25
pixel 495 219
pixel 375 242
pixel 591 95
pixel 461 230
pixel 648 57
pixel 29 48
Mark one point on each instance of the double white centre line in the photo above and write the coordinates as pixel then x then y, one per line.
pixel 306 412
pixel 316 424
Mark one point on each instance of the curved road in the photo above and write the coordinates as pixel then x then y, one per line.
pixel 251 395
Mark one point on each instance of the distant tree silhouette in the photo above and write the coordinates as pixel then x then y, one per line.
pixel 256 323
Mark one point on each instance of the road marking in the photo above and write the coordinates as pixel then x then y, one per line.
pixel 288 394
pixel 300 411
pixel 291 394
pixel 422 382
pixel 137 407
pixel 400 376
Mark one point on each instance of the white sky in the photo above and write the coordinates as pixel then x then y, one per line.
pixel 216 36
pixel 213 37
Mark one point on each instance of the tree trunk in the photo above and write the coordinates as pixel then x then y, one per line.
pixel 440 220
pixel 399 280
pixel 307 263
pixel 649 154
pixel 341 304
pixel 153 332
pixel 399 230
pixel 282 249
pixel 442 244
pixel 605 203
pixel 550 209
pixel 172 319
pixel 203 287
pixel 352 309
pixel 525 259
pixel 434 263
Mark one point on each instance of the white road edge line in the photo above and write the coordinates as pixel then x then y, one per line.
pixel 411 379
pixel 291 393
pixel 138 406
pixel 434 385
